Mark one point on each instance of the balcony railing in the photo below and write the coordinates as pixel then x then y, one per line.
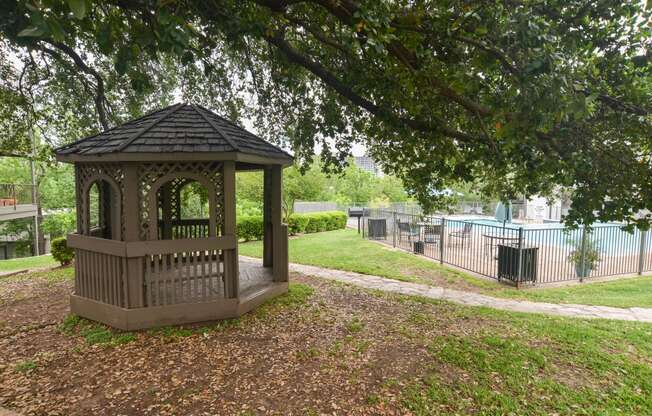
pixel 12 195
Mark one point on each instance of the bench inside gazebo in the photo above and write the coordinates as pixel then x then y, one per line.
pixel 140 260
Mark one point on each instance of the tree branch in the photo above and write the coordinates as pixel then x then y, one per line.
pixel 344 11
pixel 492 51
pixel 11 154
pixel 100 97
pixel 344 90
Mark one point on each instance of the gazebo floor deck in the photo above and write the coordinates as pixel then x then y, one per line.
pixel 197 284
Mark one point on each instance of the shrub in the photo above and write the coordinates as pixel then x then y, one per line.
pixel 249 227
pixel 312 225
pixel 340 220
pixel 336 220
pixel 324 221
pixel 61 252
pixel 297 223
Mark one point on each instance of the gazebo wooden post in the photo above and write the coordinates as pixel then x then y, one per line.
pixel 134 266
pixel 231 275
pixel 267 218
pixel 279 230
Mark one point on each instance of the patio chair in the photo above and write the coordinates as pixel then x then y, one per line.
pixel 432 234
pixel 408 229
pixel 463 235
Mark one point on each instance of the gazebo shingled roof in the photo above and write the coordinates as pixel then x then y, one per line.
pixel 180 128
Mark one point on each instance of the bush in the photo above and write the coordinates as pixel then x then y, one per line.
pixel 297 224
pixel 312 225
pixel 249 227
pixel 339 219
pixel 61 252
pixel 319 221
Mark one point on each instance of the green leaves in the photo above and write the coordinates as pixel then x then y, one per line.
pixel 78 8
pixel 32 31
pixel 516 97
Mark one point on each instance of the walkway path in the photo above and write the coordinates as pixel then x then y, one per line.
pixel 476 299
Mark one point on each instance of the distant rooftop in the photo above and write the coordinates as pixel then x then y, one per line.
pixel 368 164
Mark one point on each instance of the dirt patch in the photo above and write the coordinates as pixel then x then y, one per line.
pixel 30 303
pixel 340 351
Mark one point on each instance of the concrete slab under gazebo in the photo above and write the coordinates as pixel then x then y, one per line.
pixel 138 262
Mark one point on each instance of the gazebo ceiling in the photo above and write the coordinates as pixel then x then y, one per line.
pixel 179 131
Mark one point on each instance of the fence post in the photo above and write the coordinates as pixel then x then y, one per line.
pixel 582 253
pixel 641 252
pixel 441 240
pixel 519 275
pixel 394 228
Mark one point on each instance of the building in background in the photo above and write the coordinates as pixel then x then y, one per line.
pixel 17 201
pixel 366 163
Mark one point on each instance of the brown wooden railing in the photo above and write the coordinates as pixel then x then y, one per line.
pixel 167 272
pixel 188 228
pixel 100 276
pixel 183 277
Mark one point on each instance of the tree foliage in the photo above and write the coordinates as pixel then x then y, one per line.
pixel 521 95
pixel 351 185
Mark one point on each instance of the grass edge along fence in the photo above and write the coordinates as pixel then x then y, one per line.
pixel 250 227
pixel 520 253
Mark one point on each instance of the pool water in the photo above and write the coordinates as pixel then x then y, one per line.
pixel 609 238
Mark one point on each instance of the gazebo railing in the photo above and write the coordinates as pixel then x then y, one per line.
pixel 168 272
pixel 101 277
pixel 187 228
pixel 183 277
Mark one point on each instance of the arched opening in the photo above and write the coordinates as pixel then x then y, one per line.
pixel 94 213
pixel 102 210
pixel 184 210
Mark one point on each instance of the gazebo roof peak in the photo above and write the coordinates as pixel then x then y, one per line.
pixel 180 128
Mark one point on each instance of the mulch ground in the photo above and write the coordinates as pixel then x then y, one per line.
pixel 341 350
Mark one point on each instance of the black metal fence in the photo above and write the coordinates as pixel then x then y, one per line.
pixel 534 253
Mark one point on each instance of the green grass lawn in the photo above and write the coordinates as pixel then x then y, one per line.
pixel 623 293
pixel 346 250
pixel 27 263
pixel 535 365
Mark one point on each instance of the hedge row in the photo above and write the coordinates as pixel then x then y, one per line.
pixel 250 227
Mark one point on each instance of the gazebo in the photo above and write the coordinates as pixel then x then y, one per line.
pixel 139 261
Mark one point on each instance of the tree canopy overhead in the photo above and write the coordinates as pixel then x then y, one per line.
pixel 523 96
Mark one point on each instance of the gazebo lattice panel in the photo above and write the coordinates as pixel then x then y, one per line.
pixel 85 175
pixel 149 173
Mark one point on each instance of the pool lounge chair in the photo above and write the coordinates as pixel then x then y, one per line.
pixel 463 235
pixel 431 234
pixel 409 230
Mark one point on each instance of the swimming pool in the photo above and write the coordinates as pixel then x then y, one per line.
pixel 609 238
